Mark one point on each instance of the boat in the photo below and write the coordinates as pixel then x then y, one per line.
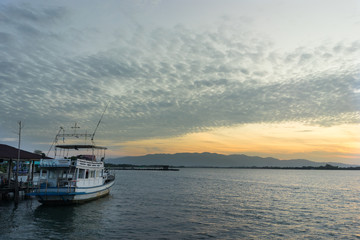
pixel 76 174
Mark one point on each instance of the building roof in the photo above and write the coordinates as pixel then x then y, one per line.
pixel 7 152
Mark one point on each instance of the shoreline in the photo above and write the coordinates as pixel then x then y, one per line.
pixel 176 168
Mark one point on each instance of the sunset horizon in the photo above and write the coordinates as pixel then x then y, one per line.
pixel 278 79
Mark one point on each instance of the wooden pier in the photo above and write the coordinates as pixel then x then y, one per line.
pixel 145 168
pixel 11 158
pixel 7 192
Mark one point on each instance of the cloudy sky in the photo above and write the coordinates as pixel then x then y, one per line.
pixel 268 78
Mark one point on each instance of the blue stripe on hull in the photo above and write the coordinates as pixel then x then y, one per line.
pixel 70 197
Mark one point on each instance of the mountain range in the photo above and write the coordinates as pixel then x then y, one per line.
pixel 217 160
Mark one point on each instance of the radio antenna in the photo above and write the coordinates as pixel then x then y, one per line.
pixel 93 135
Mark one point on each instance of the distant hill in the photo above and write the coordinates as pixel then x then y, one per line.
pixel 216 160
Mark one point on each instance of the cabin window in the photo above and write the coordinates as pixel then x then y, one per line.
pixel 92 173
pixel 70 174
pixel 97 174
pixel 43 173
pixel 54 174
pixel 87 174
pixel 81 173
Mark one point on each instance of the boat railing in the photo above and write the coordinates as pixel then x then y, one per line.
pixel 43 185
pixel 109 175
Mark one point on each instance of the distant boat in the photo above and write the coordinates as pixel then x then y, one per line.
pixel 77 174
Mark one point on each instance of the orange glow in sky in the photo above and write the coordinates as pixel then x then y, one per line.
pixel 284 141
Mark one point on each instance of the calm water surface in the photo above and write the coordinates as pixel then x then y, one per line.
pixel 202 204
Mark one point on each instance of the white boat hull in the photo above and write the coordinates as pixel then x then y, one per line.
pixel 60 196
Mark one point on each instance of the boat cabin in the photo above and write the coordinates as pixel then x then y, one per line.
pixel 70 170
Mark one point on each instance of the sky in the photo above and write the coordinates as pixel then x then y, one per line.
pixel 269 78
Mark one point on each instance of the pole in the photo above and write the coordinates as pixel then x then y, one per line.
pixel 16 193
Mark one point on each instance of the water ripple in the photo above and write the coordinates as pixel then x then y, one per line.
pixel 202 204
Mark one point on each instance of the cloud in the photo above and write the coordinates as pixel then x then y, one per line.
pixel 166 81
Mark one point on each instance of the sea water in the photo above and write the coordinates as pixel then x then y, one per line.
pixel 201 204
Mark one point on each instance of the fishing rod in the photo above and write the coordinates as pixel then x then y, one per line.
pixel 102 115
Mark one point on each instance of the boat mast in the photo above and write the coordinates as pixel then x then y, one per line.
pixel 55 140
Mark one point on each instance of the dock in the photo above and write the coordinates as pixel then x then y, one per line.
pixel 7 192
pixel 142 168
pixel 18 168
